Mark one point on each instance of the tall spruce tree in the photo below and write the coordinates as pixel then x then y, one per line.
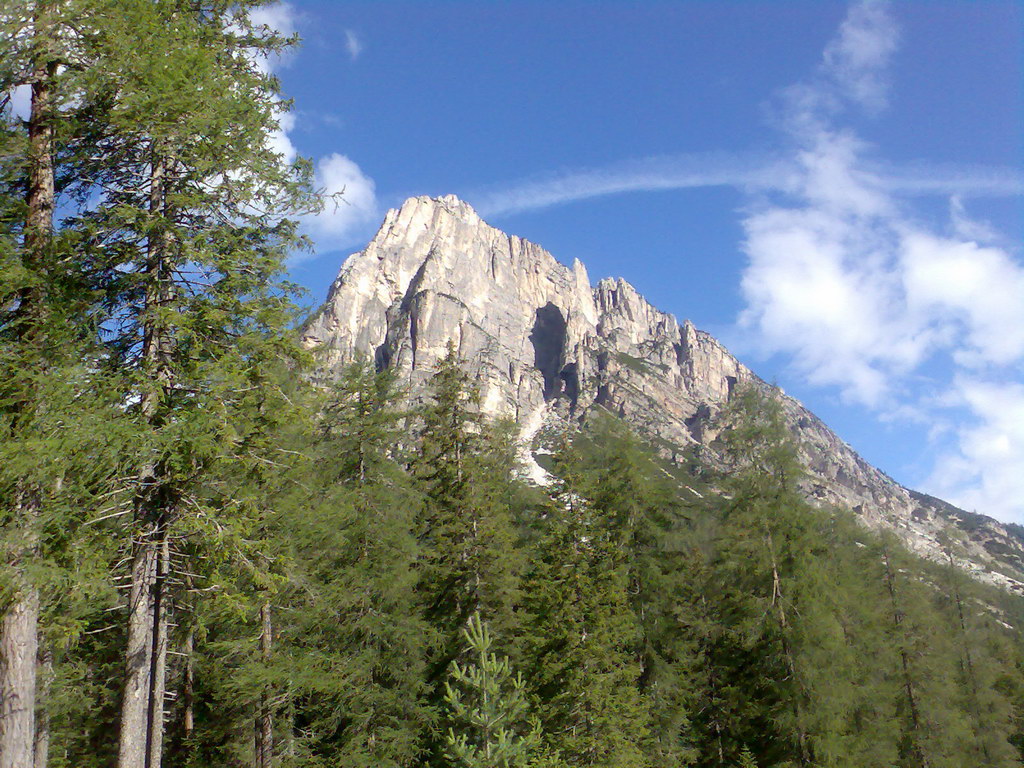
pixel 52 396
pixel 776 595
pixel 181 219
pixel 863 689
pixel 357 642
pixel 982 655
pixel 646 521
pixel 26 325
pixel 933 713
pixel 468 558
pixel 237 576
pixel 580 635
pixel 469 561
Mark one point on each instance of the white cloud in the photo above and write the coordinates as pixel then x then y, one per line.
pixel 815 292
pixel 986 472
pixel 831 178
pixel 350 206
pixel 857 56
pixel 353 44
pixel 975 292
pixel 859 295
pixel 350 203
pixel 282 19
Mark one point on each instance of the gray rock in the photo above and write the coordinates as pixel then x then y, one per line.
pixel 543 343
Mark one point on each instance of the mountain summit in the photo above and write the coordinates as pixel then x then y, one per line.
pixel 543 343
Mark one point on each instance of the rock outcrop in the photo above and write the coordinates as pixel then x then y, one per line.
pixel 542 342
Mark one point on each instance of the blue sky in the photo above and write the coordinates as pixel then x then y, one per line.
pixel 834 190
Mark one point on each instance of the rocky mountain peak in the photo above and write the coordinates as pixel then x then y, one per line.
pixel 434 273
pixel 542 342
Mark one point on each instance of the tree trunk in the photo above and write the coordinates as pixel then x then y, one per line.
pixel 189 688
pixel 44 678
pixel 18 646
pixel 158 657
pixel 142 706
pixel 20 625
pixel 135 700
pixel 908 680
pixel 264 718
pixel 777 601
pixel 40 199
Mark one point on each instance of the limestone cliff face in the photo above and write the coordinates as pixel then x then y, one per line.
pixel 542 342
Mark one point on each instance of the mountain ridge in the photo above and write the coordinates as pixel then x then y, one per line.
pixel 543 343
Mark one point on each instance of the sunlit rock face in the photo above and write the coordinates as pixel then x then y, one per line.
pixel 543 343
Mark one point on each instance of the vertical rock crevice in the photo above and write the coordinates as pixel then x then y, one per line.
pixel 570 384
pixel 548 337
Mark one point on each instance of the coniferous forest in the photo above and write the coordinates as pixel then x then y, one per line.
pixel 213 556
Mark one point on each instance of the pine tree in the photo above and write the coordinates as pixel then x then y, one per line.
pixel 487 708
pixel 758 550
pixel 369 579
pixel 779 598
pixel 643 517
pixel 915 727
pixel 349 661
pixel 28 324
pixel 580 635
pixel 52 396
pixel 1010 683
pixel 191 262
pixel 469 561
pixel 746 759
pixel 863 690
pixel 986 707
pixel 248 561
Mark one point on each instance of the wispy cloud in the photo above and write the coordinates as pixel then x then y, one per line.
pixel 749 172
pixel 858 55
pixel 851 75
pixel 948 179
pixel 353 44
pixel 646 174
pixel 847 284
